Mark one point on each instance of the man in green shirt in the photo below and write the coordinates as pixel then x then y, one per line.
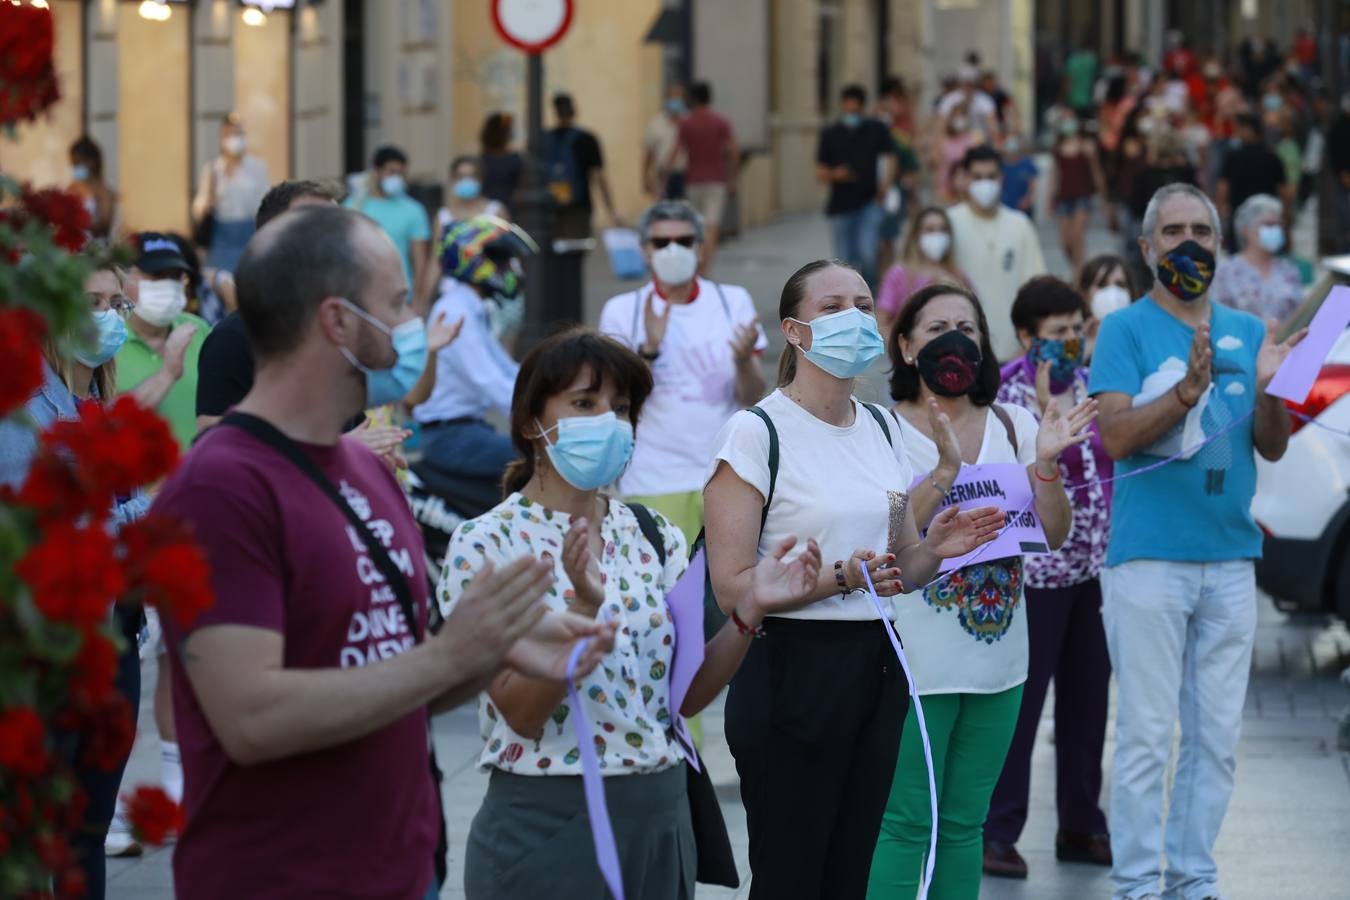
pixel 162 340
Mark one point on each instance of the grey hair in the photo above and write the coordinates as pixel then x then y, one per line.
pixel 1165 193
pixel 1254 207
pixel 670 211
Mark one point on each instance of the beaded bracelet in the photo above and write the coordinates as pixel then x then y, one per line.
pixel 756 632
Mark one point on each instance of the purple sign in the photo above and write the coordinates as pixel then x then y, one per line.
pixel 1008 487
pixel 1300 369
pixel 685 602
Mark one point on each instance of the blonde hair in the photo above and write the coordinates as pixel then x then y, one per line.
pixel 909 250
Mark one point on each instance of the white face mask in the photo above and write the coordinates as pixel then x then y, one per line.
pixel 160 302
pixel 674 264
pixel 934 245
pixel 1109 299
pixel 986 192
pixel 234 144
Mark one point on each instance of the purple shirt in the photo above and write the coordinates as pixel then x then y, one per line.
pixel 355 820
pixel 1084 552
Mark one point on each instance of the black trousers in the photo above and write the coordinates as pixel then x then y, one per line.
pixel 1067 642
pixel 813 720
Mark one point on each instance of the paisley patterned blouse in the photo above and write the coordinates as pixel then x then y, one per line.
pixel 627 697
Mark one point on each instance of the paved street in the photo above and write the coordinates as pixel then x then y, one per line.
pixel 1287 830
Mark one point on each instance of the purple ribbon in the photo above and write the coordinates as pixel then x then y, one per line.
pixel 593 784
pixel 923 733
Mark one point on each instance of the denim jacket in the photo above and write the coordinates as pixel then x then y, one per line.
pixel 19 442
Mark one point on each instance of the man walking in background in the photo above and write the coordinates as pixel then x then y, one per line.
pixel 709 145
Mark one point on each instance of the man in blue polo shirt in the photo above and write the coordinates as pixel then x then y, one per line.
pixel 1174 372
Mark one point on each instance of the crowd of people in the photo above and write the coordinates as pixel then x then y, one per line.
pixel 294 716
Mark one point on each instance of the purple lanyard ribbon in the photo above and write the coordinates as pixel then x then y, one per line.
pixel 593 784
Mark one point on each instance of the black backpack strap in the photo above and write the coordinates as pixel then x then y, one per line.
pixel 773 463
pixel 1002 415
pixel 881 420
pixel 272 437
pixel 650 530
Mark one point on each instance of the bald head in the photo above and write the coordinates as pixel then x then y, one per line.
pixel 301 258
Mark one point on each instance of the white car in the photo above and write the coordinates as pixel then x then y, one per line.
pixel 1302 502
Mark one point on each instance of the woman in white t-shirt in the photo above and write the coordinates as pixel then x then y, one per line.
pixel 814 714
pixel 577 402
pixel 966 634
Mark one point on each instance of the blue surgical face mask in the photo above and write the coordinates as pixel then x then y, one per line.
pixel 392 185
pixel 410 343
pixel 467 188
pixel 676 107
pixel 851 120
pixel 1271 238
pixel 590 451
pixel 79 172
pixel 844 343
pixel 107 340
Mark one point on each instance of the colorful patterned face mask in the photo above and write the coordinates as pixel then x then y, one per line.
pixel 1064 357
pixel 1186 271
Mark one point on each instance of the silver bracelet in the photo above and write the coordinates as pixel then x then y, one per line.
pixel 943 493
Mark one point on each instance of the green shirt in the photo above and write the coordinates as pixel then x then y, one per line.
pixel 136 362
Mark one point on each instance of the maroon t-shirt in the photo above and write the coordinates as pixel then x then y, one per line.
pixel 704 135
pixel 356 820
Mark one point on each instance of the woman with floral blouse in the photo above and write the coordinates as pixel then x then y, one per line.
pixel 1066 640
pixel 576 403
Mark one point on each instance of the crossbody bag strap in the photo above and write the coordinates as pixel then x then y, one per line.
pixel 1008 426
pixel 881 420
pixel 650 530
pixel 272 437
pixel 773 463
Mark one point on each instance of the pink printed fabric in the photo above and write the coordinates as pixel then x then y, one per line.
pixel 1084 553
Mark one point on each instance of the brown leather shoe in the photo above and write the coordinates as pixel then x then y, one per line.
pixel 1094 849
pixel 1003 861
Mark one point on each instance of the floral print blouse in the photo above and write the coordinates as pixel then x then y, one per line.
pixel 627 697
pixel 1238 285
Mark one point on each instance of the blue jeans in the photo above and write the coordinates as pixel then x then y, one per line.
pixel 856 237
pixel 474 454
pixel 1180 636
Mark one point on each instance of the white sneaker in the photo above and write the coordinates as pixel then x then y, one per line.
pixel 119 842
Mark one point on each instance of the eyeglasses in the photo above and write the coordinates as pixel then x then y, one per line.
pixel 686 240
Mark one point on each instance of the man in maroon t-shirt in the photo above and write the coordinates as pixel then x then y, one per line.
pixel 713 158
pixel 301 696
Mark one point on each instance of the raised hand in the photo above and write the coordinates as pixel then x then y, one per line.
pixel 944 435
pixel 1199 368
pixel 955 533
pixel 176 345
pixel 779 586
pixel 1272 355
pixel 655 324
pixel 1044 397
pixel 385 441
pixel 583 569
pixel 1059 431
pixel 544 650
pixel 498 607
pixel 441 334
pixel 743 342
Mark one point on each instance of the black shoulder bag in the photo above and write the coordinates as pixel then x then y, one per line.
pixel 716 862
pixel 272 437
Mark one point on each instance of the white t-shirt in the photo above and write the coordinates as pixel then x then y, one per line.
pixel 967 633
pixel 695 382
pixel 980 105
pixel 474 374
pixel 846 487
pixel 998 255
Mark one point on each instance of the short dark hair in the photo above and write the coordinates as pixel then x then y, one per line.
pixel 1249 122
pixel 980 153
pixel 1106 263
pixel 905 376
pixel 854 92
pixel 287 270
pixel 701 93
pixel 893 86
pixel 86 149
pixel 563 107
pixel 549 369
pixel 387 154
pixel 281 195
pixel 496 133
pixel 476 161
pixel 1042 297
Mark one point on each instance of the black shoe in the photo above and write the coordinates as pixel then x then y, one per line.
pixel 1094 849
pixel 1003 861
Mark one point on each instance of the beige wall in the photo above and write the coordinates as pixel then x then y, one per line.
pixel 262 90
pixel 488 76
pixel 318 92
pixel 152 120
pixel 38 151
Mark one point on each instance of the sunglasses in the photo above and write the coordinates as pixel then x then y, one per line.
pixel 684 241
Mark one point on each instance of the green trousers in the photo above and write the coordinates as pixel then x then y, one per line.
pixel 970 735
pixel 685 512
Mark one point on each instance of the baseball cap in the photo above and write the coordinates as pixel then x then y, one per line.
pixel 157 253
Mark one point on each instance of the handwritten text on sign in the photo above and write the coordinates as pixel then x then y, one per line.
pixel 1006 486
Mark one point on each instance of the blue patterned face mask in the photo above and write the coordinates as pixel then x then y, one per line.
pixel 1064 357
pixel 590 451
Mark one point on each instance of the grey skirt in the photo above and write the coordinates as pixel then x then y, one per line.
pixel 532 838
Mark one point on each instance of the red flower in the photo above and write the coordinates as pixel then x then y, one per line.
pixel 153 816
pixel 64 212
pixel 23 747
pixel 109 731
pixel 21 334
pixel 73 572
pixel 167 569
pixel 94 669
pixel 54 852
pixel 27 79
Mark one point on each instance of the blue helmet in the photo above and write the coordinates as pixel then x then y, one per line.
pixel 485 251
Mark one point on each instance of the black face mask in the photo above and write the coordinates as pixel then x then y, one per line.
pixel 949 364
